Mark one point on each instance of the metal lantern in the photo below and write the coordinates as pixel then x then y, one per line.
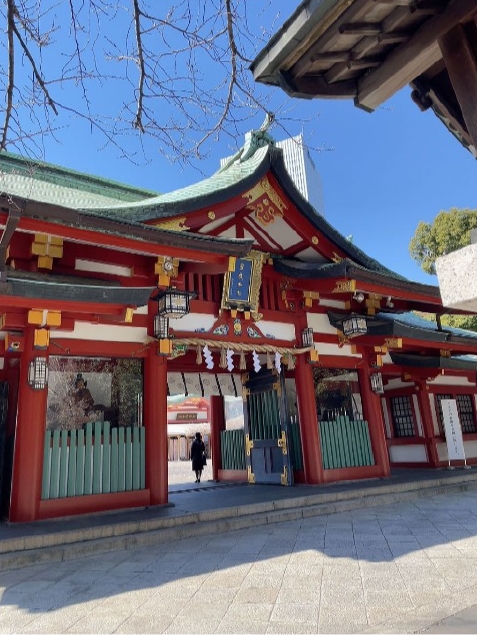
pixel 161 327
pixel 307 337
pixel 376 380
pixel 354 325
pixel 38 373
pixel 173 303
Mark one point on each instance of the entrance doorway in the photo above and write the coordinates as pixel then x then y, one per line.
pixel 266 424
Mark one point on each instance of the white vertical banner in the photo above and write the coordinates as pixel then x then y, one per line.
pixel 453 431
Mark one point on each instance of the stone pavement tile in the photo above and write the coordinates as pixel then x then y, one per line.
pixel 250 626
pixel 225 578
pixel 165 608
pixel 213 611
pixel 299 595
pixel 292 627
pixel 309 542
pixel 374 555
pixel 269 566
pixel 460 582
pixel 305 568
pixel 256 595
pixel 456 567
pixel 247 612
pixel 29 586
pixel 376 598
pixel 261 580
pixel 295 612
pixel 12 619
pixel 98 623
pixel 51 622
pixel 341 614
pixel 139 623
pixel 301 580
pixel 341 551
pixel 206 596
pixel 305 556
pixel 178 590
pixel 32 602
pixel 341 627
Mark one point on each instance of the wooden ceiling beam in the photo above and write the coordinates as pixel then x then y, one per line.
pixel 413 57
pixel 461 62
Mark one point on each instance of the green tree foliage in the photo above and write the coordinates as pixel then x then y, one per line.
pixel 449 231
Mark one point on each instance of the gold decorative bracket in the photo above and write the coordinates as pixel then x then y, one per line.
pixel 248 444
pixel 282 443
pixel 284 476
pixel 250 475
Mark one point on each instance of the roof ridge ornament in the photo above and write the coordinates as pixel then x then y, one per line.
pixel 254 139
pixel 260 138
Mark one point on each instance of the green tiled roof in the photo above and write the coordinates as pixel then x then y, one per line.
pixel 48 183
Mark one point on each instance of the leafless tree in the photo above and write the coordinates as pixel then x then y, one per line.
pixel 177 72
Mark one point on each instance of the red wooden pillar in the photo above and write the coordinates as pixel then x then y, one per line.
pixel 427 424
pixel 374 416
pixel 310 440
pixel 27 470
pixel 155 422
pixel 217 424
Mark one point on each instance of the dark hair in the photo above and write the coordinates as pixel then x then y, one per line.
pixel 79 377
pixel 198 435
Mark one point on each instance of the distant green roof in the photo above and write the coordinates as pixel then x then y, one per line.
pixel 50 183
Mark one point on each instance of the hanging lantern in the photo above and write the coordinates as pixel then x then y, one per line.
pixel 376 380
pixel 307 338
pixel 161 327
pixel 38 373
pixel 173 303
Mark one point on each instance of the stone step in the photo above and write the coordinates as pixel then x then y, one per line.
pixel 77 542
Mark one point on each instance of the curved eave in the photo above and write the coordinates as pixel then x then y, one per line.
pixel 219 188
pixel 95 221
pixel 76 292
pixel 424 361
pixel 349 270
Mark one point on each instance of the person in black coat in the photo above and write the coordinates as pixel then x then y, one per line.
pixel 197 454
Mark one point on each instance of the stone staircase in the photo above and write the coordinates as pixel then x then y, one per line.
pixel 67 539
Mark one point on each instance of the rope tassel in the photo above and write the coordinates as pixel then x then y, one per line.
pixel 243 362
pixel 223 358
pixel 269 361
pixel 198 357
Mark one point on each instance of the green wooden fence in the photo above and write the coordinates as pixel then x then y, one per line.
pixel 294 441
pixel 345 443
pixel 232 446
pixel 97 460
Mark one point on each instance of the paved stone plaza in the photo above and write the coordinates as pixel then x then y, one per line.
pixel 398 568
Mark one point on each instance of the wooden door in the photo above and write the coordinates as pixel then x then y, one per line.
pixel 265 428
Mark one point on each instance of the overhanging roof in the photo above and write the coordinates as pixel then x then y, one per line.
pixel 39 286
pixel 411 326
pixel 426 361
pixel 367 50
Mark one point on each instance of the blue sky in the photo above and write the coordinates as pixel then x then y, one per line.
pixel 382 172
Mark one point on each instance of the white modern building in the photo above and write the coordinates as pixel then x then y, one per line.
pixel 302 169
